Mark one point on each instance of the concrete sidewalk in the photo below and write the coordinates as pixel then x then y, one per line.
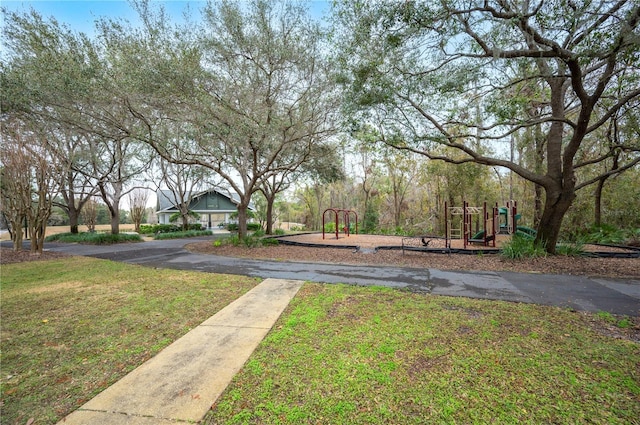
pixel 181 382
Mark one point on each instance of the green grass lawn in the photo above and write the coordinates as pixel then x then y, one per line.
pixel 72 327
pixel 352 355
pixel 339 354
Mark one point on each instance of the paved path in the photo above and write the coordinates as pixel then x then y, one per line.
pixel 617 296
pixel 180 383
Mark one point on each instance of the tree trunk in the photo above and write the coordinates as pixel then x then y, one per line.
pixel 37 237
pixel 113 204
pixel 74 218
pixel 537 205
pixel 185 222
pixel 597 199
pixel 115 221
pixel 539 157
pixel 560 179
pixel 242 220
pixel 317 215
pixel 70 199
pixel 16 234
pixel 557 203
pixel 270 200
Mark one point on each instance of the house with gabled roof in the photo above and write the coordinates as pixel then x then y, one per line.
pixel 213 207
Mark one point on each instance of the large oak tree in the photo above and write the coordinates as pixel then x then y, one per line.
pixel 463 74
pixel 244 95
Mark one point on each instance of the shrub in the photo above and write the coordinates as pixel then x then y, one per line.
pixel 634 238
pixel 279 232
pixel 251 242
pixel 94 238
pixel 233 227
pixel 146 229
pixel 159 228
pixel 575 249
pixel 522 247
pixel 269 241
pixel 187 234
pixel 605 234
pixel 169 228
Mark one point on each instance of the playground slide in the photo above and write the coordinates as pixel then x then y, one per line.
pixel 479 235
pixel 527 232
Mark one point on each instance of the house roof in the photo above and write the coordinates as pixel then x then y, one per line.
pixel 167 200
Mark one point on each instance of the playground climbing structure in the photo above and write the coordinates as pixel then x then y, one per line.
pixel 480 225
pixel 460 224
pixel 346 220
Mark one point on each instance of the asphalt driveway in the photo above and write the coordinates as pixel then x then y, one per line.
pixel 617 296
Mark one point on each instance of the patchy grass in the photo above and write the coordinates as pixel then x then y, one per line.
pixel 339 354
pixel 343 354
pixel 72 327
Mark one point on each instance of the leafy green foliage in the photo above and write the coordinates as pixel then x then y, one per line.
pixel 522 247
pixel 94 238
pixel 435 76
pixel 605 234
pixel 187 234
pixel 250 241
pixel 252 227
pixel 575 249
pixel 148 229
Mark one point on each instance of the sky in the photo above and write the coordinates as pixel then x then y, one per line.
pixel 80 15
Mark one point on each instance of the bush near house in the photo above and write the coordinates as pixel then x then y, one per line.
pixel 187 234
pixel 93 238
pixel 252 227
pixel 149 229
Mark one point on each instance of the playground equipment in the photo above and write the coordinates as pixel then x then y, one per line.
pixel 511 216
pixel 346 218
pixel 489 222
pixel 462 228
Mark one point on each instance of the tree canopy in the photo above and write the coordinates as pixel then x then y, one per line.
pixel 471 74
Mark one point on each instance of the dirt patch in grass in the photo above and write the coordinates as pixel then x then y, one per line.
pixel 9 256
pixel 54 288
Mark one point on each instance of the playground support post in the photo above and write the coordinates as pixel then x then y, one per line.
pixel 346 218
pixel 447 240
pixel 323 220
pixel 465 237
